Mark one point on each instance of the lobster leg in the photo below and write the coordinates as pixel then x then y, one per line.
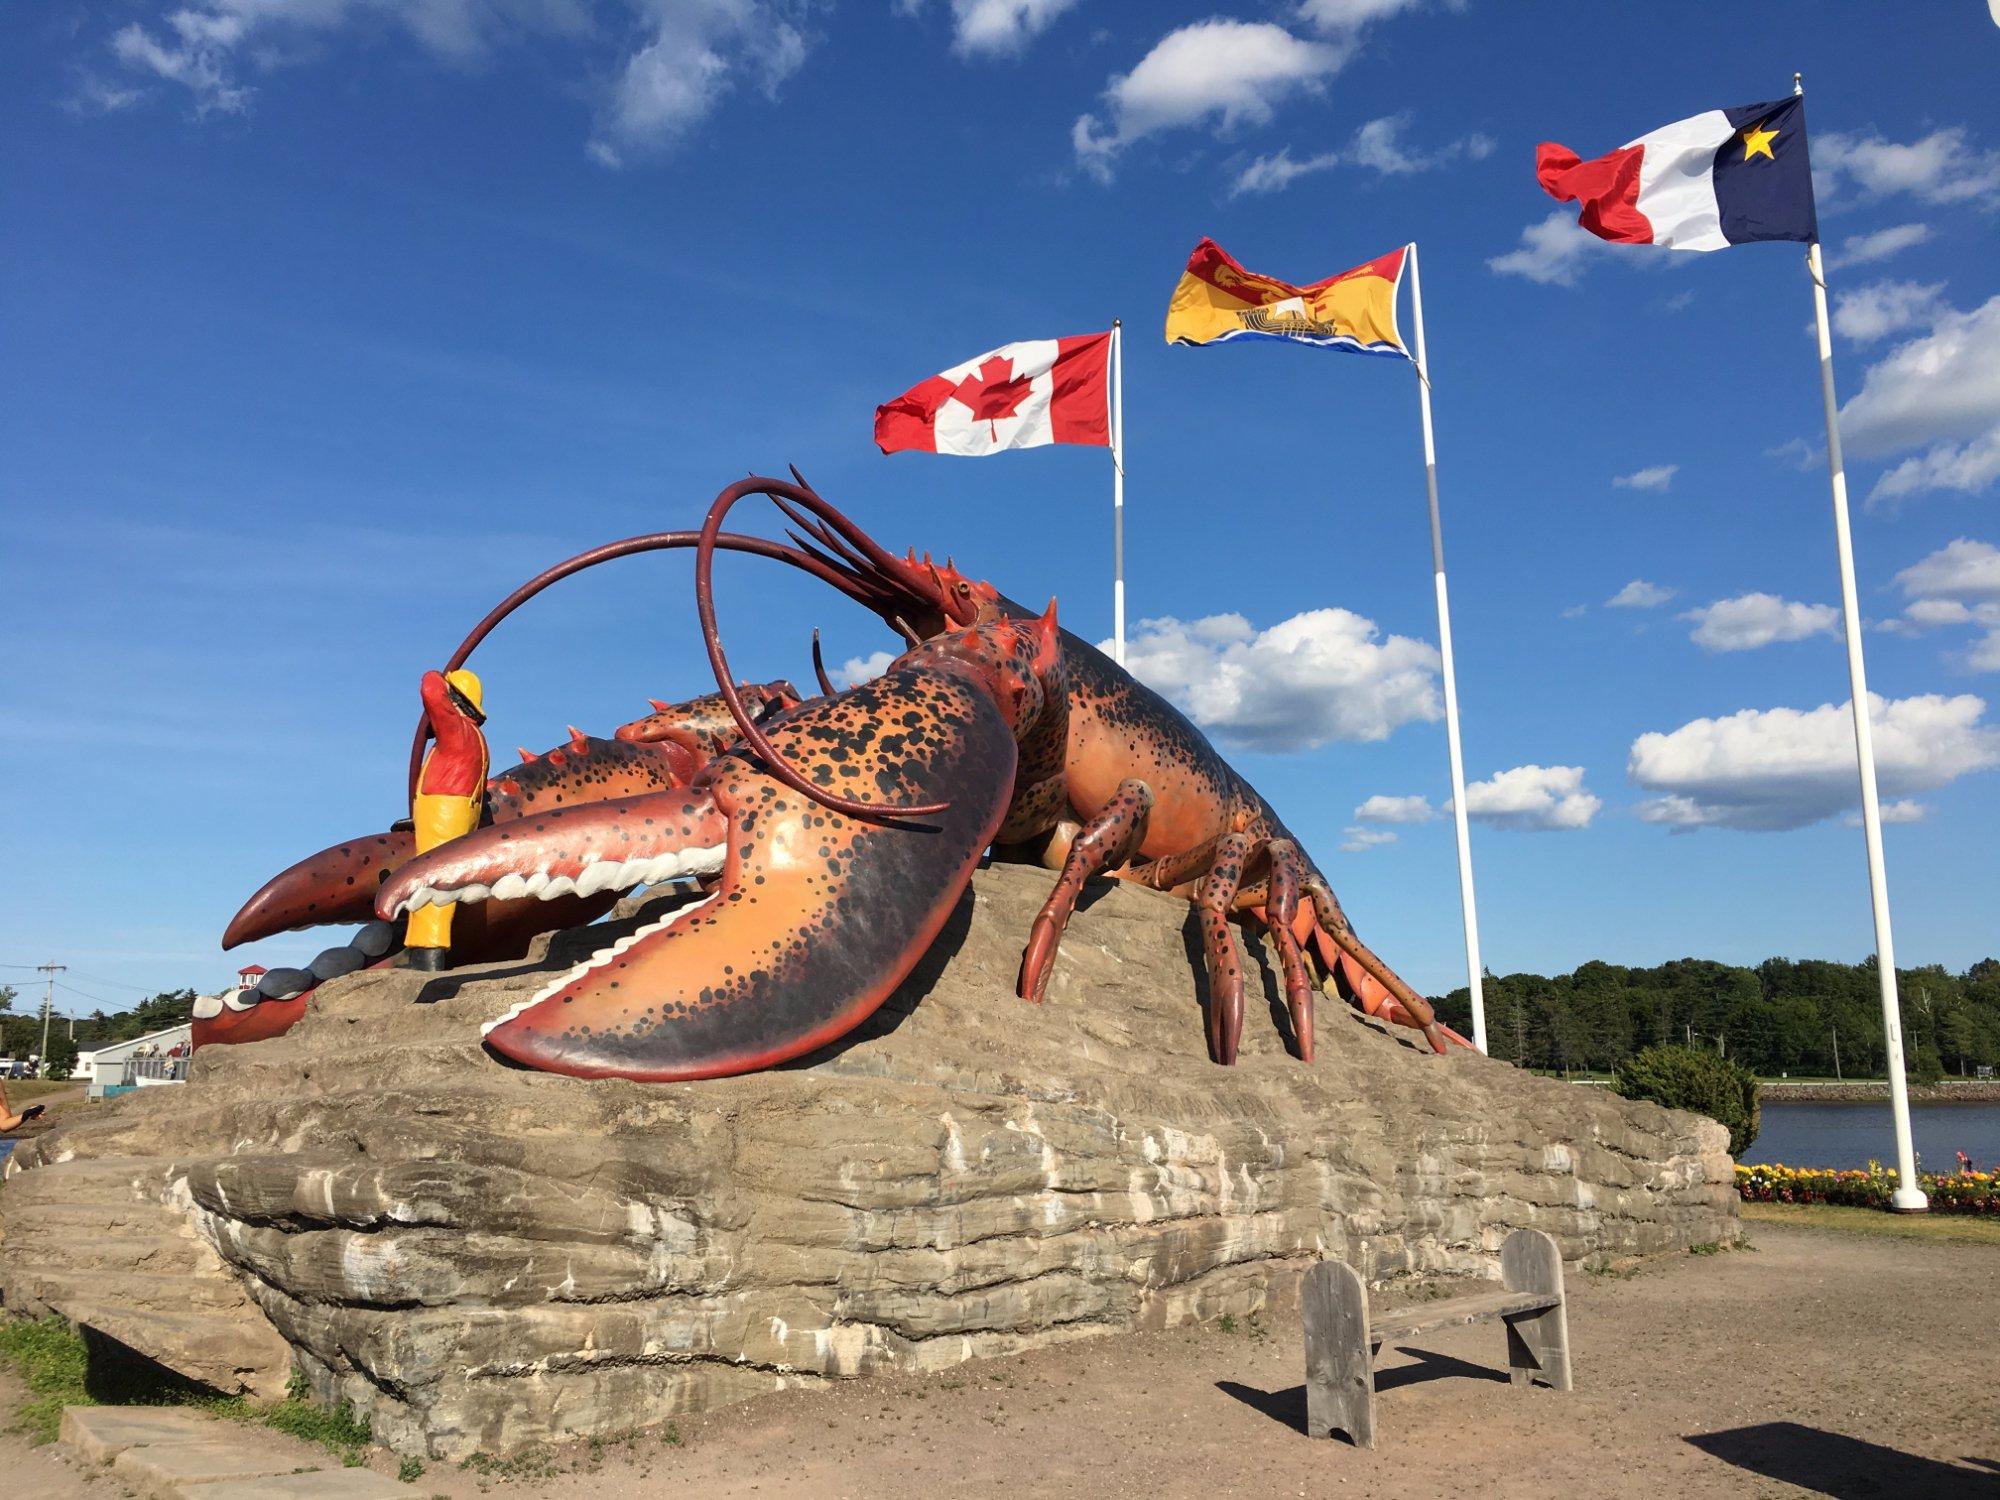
pixel 1379 988
pixel 1281 908
pixel 1106 842
pixel 1225 972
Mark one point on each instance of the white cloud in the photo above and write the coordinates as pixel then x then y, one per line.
pixel 1907 810
pixel 201 46
pixel 1342 16
pixel 1797 453
pixel 1381 809
pixel 1274 173
pixel 1231 72
pixel 1959 584
pixel 1360 840
pixel 862 668
pixel 1752 620
pixel 1575 611
pixel 197 57
pixel 1964 570
pixel 667 63
pixel 96 96
pixel 1322 675
pixel 1539 799
pixel 696 51
pixel 1378 145
pixel 1940 390
pixel 1783 768
pixel 1881 308
pixel 1639 594
pixel 1944 385
pixel 997 27
pixel 1966 467
pixel 1866 249
pixel 1552 252
pixel 1942 167
pixel 1656 478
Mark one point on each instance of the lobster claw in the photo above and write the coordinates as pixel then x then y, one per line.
pixel 338 884
pixel 816 917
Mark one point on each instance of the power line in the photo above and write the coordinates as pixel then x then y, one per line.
pixel 86 994
pixel 116 984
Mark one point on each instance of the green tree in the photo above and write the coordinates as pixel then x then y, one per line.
pixel 1690 1078
pixel 61 1061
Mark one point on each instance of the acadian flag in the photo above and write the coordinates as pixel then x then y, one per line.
pixel 1217 299
pixel 1727 177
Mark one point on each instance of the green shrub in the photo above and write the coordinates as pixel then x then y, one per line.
pixel 1686 1078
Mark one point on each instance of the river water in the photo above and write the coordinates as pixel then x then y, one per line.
pixel 1807 1133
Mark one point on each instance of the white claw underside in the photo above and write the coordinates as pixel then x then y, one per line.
pixel 603 956
pixel 240 998
pixel 598 875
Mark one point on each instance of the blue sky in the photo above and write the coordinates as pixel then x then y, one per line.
pixel 326 321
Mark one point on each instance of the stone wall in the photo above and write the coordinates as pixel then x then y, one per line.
pixel 481 1258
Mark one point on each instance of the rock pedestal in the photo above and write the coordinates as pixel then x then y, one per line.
pixel 480 1258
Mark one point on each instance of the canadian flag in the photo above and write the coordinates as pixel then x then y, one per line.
pixel 1017 396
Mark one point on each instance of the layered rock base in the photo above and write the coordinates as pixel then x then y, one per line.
pixel 481 1258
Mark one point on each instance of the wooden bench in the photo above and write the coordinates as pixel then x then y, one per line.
pixel 1342 1339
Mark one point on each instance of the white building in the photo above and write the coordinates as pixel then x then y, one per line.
pixel 137 1063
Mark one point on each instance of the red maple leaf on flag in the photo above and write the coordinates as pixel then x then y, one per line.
pixel 991 394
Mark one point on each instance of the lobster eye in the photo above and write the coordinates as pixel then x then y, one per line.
pixel 964 587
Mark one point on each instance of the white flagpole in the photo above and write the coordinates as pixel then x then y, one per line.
pixel 1118 489
pixel 1473 969
pixel 1908 1197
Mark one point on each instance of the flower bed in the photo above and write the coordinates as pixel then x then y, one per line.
pixel 1964 1191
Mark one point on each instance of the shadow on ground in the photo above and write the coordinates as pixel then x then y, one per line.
pixel 1831 1463
pixel 1288 1407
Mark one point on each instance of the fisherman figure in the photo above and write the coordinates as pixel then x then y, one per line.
pixel 451 793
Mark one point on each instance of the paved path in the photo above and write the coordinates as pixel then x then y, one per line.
pixel 171 1453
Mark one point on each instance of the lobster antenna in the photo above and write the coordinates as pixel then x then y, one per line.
pixel 819 666
pixel 704 598
pixel 868 592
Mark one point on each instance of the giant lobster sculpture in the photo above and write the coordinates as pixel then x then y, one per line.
pixel 833 836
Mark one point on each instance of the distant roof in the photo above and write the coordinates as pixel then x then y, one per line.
pixel 253 969
pixel 183 1030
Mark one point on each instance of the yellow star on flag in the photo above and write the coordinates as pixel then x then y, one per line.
pixel 1757 142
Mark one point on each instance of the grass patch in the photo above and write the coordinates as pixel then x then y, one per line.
pixel 50 1358
pixel 336 1428
pixel 534 1463
pixel 1956 1229
pixel 53 1361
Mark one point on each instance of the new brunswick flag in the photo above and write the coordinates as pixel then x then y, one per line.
pixel 1217 299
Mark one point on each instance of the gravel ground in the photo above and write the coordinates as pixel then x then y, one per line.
pixel 1816 1363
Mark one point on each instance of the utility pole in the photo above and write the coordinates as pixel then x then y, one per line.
pixel 48 1006
pixel 1836 1054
